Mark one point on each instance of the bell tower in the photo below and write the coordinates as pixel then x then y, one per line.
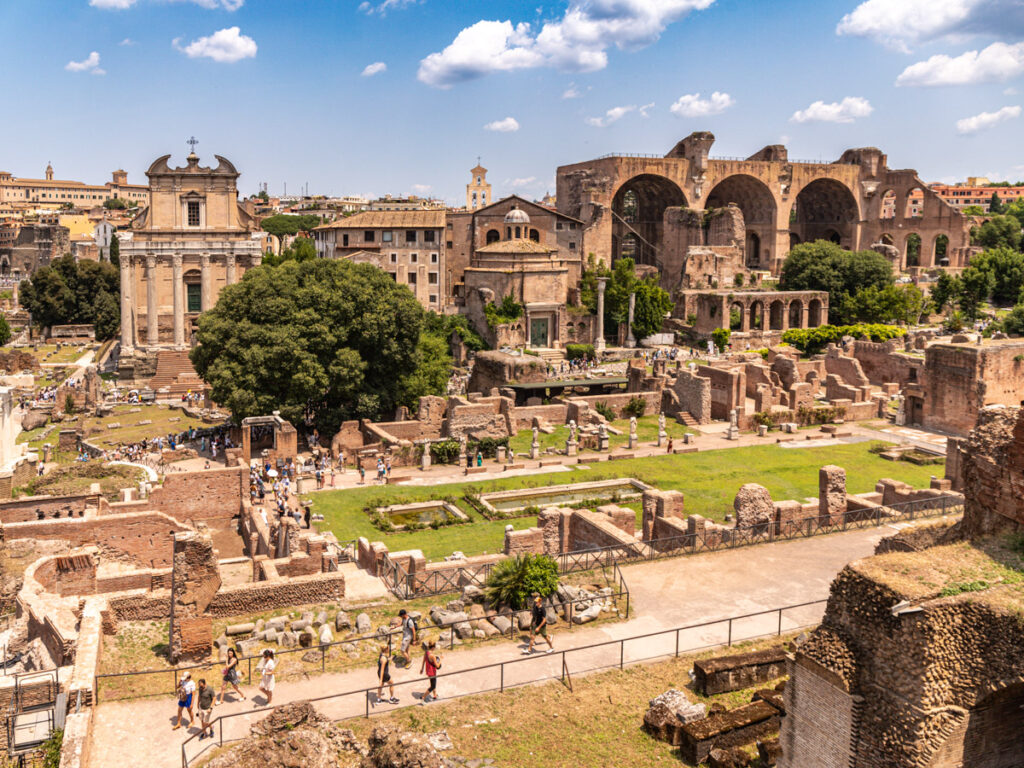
pixel 478 191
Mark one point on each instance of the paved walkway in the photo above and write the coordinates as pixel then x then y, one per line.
pixel 664 594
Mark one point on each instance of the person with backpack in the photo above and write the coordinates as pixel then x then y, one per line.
pixel 384 675
pixel 184 692
pixel 409 633
pixel 538 624
pixel 431 663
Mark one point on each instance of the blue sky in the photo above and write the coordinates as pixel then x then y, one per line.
pixel 283 89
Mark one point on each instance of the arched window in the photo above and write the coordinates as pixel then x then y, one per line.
pixel 493 236
pixel 535 235
pixel 519 232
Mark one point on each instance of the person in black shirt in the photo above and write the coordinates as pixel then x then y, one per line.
pixel 384 675
pixel 538 624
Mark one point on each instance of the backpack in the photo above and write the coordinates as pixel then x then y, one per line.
pixel 410 620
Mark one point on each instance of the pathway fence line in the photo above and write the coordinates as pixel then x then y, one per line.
pixel 408 586
pixel 609 654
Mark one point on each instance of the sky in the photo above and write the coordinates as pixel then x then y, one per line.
pixel 403 96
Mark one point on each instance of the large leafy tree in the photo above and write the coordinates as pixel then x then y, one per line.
pixel 69 292
pixel 1007 268
pixel 283 224
pixel 328 339
pixel 302 249
pixel 824 266
pixel 652 302
pixel 998 232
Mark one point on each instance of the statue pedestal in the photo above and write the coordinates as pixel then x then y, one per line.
pixel 602 443
pixel 571 448
pixel 662 437
pixel 425 459
pixel 535 450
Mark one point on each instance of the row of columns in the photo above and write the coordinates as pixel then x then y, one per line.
pixel 177 294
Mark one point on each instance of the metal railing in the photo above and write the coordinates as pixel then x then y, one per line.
pixel 407 586
pixel 527 670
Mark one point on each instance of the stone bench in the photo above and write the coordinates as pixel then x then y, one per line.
pixel 513 466
pixel 616 456
pixel 692 449
pixel 735 728
pixel 722 674
pixel 475 470
pixel 550 463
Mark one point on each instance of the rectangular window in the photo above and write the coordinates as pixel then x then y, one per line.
pixel 572 225
pixel 194 293
pixel 428 236
pixel 448 244
pixel 344 239
pixel 572 245
pixel 368 236
pixel 433 298
pixel 410 235
pixel 558 225
pixel 394 258
pixel 413 257
pixel 193 214
pixel 432 278
pixel 393 276
pixel 385 237
pixel 412 278
pixel 433 258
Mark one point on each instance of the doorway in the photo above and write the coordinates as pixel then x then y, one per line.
pixel 539 332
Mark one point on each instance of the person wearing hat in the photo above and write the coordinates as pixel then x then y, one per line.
pixel 185 690
pixel 538 624
pixel 409 632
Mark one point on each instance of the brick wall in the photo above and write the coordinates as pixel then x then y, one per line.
pixel 728 390
pixel 527 541
pixel 846 368
pixel 592 530
pixel 694 395
pixel 213 494
pixel 819 719
pixel 522 418
pixel 885 362
pixel 619 401
pixel 29 508
pixel 266 596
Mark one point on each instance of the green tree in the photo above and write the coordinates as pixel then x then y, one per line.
pixel 432 369
pixel 975 287
pixel 652 302
pixel 824 266
pixel 973 210
pixel 115 204
pixel 901 304
pixel 512 581
pixel 946 291
pixel 1007 268
pixel 301 249
pixel 1016 209
pixel 721 338
pixel 115 250
pixel 67 292
pixel 283 224
pixel 998 232
pixel 5 331
pixel 1014 321
pixel 262 195
pixel 328 339
pixel 995 205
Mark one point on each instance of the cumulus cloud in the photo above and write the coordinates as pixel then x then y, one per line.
pixel 577 42
pixel 692 105
pixel 508 125
pixel 90 64
pixel 225 45
pixel 617 113
pixel 985 120
pixel 995 63
pixel 374 69
pixel 902 23
pixel 382 8
pixel 845 111
pixel 421 189
pixel 127 41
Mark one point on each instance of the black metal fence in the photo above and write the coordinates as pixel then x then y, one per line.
pixel 527 670
pixel 407 586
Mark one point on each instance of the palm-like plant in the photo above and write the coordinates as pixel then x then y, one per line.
pixel 512 581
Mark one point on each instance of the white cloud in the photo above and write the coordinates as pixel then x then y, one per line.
pixel 524 182
pixel 902 23
pixel 225 45
pixel 572 92
pixel 127 41
pixel 997 62
pixel 115 5
pixel 577 42
pixel 508 125
pixel 383 7
pixel 421 189
pixel 617 113
pixel 90 64
pixel 1011 91
pixel 120 5
pixel 692 105
pixel 986 120
pixel 374 69
pixel 845 111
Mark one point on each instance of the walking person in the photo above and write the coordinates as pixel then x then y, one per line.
pixel 384 675
pixel 362 474
pixel 431 663
pixel 409 633
pixel 185 690
pixel 205 710
pixel 229 675
pixel 538 624
pixel 266 670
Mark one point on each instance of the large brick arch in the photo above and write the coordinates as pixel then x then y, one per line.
pixel 759 207
pixel 641 219
pixel 826 209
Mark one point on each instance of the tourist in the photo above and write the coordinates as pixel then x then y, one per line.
pixel 669 449
pixel 229 675
pixel 479 459
pixel 387 467
pixel 341 461
pixel 409 633
pixel 384 675
pixel 538 624
pixel 266 670
pixel 205 709
pixel 362 474
pixel 431 663
pixel 185 690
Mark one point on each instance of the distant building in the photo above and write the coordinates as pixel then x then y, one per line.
pixel 478 191
pixel 406 244
pixel 79 194
pixel 976 191
pixel 34 246
pixel 410 203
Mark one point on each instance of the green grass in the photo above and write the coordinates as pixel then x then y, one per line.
pixel 66 354
pixel 130 430
pixel 709 480
pixel 646 430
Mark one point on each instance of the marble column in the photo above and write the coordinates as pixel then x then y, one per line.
pixel 602 283
pixel 152 302
pixel 178 290
pixel 205 283
pixel 231 269
pixel 630 339
pixel 127 342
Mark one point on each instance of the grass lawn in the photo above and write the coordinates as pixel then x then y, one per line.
pixel 646 429
pixel 48 353
pixel 597 724
pixel 710 480
pixel 78 477
pixel 130 430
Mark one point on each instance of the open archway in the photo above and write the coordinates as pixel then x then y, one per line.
pixel 775 315
pixel 638 209
pixel 913 250
pixel 940 251
pixel 796 314
pixel 913 207
pixel 736 316
pixel 755 200
pixel 887 239
pixel 888 205
pixel 825 210
pixel 757 316
pixel 493 236
pixel 989 736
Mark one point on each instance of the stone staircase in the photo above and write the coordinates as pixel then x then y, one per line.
pixel 552 356
pixel 685 417
pixel 175 374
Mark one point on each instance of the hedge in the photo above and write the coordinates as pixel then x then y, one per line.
pixel 813 340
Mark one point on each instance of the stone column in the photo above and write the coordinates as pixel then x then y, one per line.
pixel 602 282
pixel 152 311
pixel 205 283
pixel 178 290
pixel 127 342
pixel 231 269
pixel 630 339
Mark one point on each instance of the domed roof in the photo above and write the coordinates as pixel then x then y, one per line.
pixel 517 216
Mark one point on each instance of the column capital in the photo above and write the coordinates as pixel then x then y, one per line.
pixel 230 257
pixel 151 260
pixel 176 260
pixel 204 259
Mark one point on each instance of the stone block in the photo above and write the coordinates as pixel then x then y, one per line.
pixel 240 629
pixel 754 508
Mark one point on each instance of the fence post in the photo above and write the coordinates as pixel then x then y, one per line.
pixel 622 654
pixel 249 661
pixel 323 658
pixel 780 622
pixel 220 727
pixel 569 615
pixel 677 643
pixel 502 667
pixel 730 633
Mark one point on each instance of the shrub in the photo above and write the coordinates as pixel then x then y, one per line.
pixel 691 319
pixel 737 280
pixel 69 404
pixel 954 323
pixel 635 407
pixel 512 581
pixel 488 446
pixel 767 419
pixel 813 340
pixel 444 452
pixel 506 312
pixel 605 410
pixel 721 338
pixel 579 351
pixel 51 748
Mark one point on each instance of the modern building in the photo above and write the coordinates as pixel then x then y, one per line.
pixel 57 192
pixel 478 191
pixel 192 240
pixel 409 245
pixel 411 203
pixel 977 190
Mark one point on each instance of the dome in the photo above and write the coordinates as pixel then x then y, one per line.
pixel 517 216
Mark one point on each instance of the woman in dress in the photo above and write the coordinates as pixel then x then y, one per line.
pixel 230 676
pixel 266 670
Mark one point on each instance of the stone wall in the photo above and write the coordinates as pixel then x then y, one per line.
pixel 993 472
pixel 210 495
pixel 846 368
pixel 885 362
pixel 961 379
pixel 693 395
pixel 728 390
pixel 265 595
pixel 31 508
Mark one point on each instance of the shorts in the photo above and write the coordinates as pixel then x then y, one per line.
pixel 433 684
pixel 206 714
pixel 385 680
pixel 406 642
pixel 186 702
pixel 542 630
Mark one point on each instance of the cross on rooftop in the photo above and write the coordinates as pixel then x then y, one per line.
pixel 192 141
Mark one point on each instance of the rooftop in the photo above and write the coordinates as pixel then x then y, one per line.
pixel 515 246
pixel 433 219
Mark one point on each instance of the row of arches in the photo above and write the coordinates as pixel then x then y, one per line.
pixel 909 204
pixel 823 209
pixel 781 315
pixel 918 254
pixel 493 235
